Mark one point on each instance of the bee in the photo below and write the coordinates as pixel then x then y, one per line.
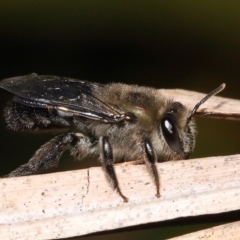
pixel 115 122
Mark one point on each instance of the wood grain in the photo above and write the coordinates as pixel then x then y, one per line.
pixel 79 202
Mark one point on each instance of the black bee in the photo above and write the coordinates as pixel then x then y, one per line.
pixel 116 122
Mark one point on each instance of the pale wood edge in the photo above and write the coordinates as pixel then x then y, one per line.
pixel 228 231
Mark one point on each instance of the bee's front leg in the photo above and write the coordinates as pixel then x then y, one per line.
pixel 151 160
pixel 108 165
pixel 47 157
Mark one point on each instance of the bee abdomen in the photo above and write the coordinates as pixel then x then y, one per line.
pixel 21 117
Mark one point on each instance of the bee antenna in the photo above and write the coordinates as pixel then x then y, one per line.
pixel 214 92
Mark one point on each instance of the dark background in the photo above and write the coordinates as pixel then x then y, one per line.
pixel 165 44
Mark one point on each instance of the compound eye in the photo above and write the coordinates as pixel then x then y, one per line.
pixel 170 134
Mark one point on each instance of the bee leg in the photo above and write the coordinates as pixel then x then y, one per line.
pixel 150 162
pixel 108 165
pixel 47 157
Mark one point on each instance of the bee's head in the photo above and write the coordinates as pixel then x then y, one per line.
pixel 177 128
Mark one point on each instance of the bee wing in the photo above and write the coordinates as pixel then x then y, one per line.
pixel 81 98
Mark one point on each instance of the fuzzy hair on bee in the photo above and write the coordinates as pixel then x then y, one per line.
pixel 114 122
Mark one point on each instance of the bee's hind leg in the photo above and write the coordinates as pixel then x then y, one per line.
pixel 47 157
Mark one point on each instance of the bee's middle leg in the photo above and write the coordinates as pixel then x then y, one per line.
pixel 108 165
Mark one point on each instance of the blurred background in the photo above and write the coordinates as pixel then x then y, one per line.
pixel 192 45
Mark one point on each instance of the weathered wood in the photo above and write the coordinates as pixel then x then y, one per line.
pixel 228 231
pixel 79 202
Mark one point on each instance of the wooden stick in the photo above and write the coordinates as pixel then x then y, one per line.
pixel 79 202
pixel 228 231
